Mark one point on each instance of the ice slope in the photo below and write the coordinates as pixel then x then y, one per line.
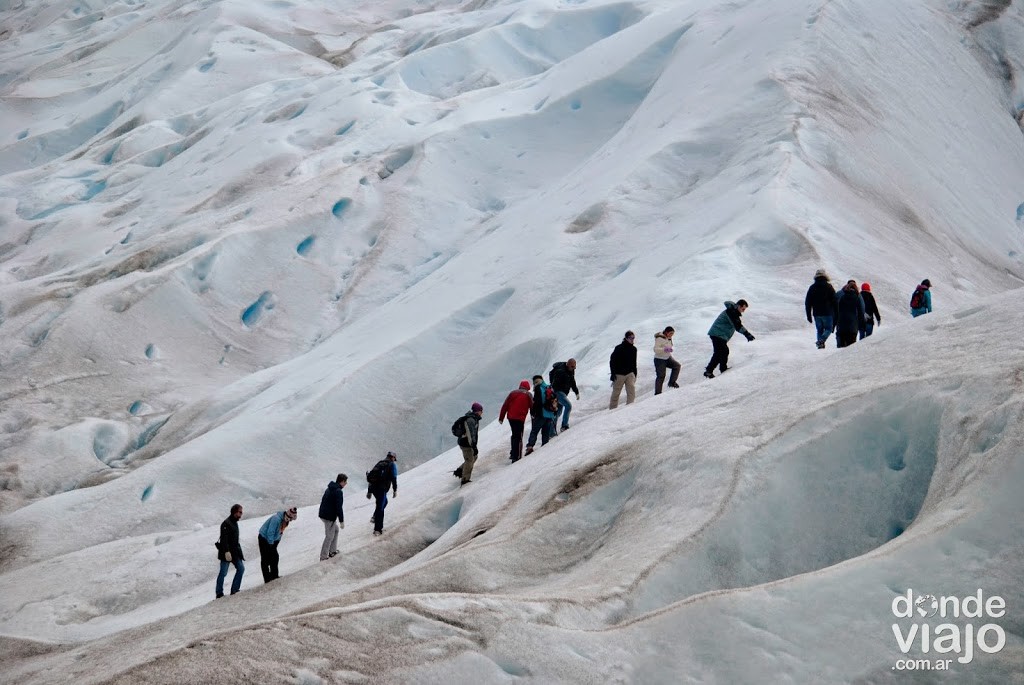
pixel 245 246
pixel 762 538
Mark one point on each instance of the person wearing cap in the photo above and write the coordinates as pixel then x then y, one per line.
pixel 871 313
pixel 542 417
pixel 516 407
pixel 270 535
pixel 467 443
pixel 563 379
pixel 727 323
pixel 332 513
pixel 663 360
pixel 379 490
pixel 925 299
pixel 851 314
pixel 820 303
pixel 229 552
pixel 623 370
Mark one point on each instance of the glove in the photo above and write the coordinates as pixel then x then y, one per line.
pixel 501 422
pixel 367 495
pixel 475 451
pixel 669 350
pixel 750 338
pixel 227 556
pixel 577 395
pixel 394 493
pixel 613 378
pixel 343 525
pixel 809 320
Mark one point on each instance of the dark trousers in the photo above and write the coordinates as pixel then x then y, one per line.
pixel 660 366
pixel 268 559
pixel 720 357
pixel 845 338
pixel 517 438
pixel 544 426
pixel 378 513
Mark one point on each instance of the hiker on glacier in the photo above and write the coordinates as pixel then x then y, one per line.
pixel 467 429
pixel 269 537
pixel 563 379
pixel 543 410
pixel 332 513
pixel 871 313
pixel 382 476
pixel 517 407
pixel 664 360
pixel 921 300
pixel 727 323
pixel 820 303
pixel 851 314
pixel 229 552
pixel 623 370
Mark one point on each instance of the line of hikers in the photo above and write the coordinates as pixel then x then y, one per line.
pixel 380 479
pixel 850 313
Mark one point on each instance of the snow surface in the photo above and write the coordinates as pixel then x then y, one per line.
pixel 247 245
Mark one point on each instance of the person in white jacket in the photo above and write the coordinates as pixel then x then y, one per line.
pixel 663 360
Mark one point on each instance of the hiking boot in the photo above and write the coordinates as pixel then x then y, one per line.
pixel 464 482
pixel 673 385
pixel 565 428
pixel 378 532
pixel 457 472
pixel 709 374
pixel 514 459
pixel 332 554
pixel 821 344
pixel 529 451
pixel 723 369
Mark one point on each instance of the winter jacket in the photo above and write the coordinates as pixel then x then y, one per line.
pixel 821 299
pixel 662 346
pixel 538 408
pixel 390 480
pixel 563 379
pixel 623 359
pixel 472 423
pixel 271 528
pixel 927 307
pixel 516 406
pixel 851 310
pixel 870 307
pixel 332 503
pixel 727 323
pixel 229 540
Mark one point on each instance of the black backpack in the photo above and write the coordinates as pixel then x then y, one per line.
pixel 459 427
pixel 380 473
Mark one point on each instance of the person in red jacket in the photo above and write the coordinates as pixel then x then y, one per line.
pixel 517 408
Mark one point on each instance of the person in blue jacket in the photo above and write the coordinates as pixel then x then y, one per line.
pixel 270 534
pixel 923 297
pixel 727 323
pixel 379 490
pixel 332 513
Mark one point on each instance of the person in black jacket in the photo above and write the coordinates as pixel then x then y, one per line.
pixel 563 379
pixel 332 513
pixel 821 303
pixel 229 551
pixel 870 311
pixel 851 314
pixel 378 489
pixel 623 367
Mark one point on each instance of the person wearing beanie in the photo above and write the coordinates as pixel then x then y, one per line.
pixel 516 407
pixel 332 513
pixel 727 323
pixel 623 368
pixel 820 303
pixel 871 313
pixel 851 314
pixel 663 360
pixel 382 476
pixel 563 380
pixel 269 537
pixel 229 552
pixel 468 440
pixel 543 410
pixel 921 300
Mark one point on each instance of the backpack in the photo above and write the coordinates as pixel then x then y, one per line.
pixel 459 427
pixel 917 299
pixel 380 473
pixel 551 400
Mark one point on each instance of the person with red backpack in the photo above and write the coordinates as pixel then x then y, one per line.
pixel 921 300
pixel 517 407
pixel 542 413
